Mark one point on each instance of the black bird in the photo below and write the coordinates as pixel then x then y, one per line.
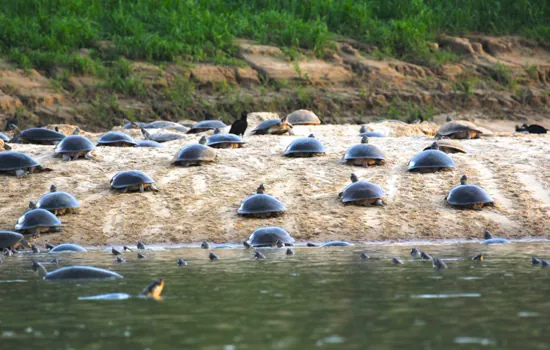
pixel 532 129
pixel 478 257
pixel 239 126
pixel 312 245
pixel 49 246
pixel 127 249
pixel 415 252
pixel 425 256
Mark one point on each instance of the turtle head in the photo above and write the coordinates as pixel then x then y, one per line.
pixel 6 147
pixel 244 115
pixel 435 146
pixel 53 188
pixel 36 266
pixel 56 129
pixel 487 234
pixel 363 129
pixel 354 178
pixel 217 131
pixel 247 245
pixel 154 289
pixel 260 189
pixel 145 133
pixel 202 141
pixel 76 131
pixel 311 136
pixel 205 245
pixel 364 139
pixel 449 119
pixel 280 243
pixel 525 126
pixel 32 205
pixel 14 127
pixel 464 180
pixel 284 120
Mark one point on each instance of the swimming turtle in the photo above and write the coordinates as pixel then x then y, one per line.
pixel 337 244
pixel 363 154
pixel 116 139
pixel 303 117
pixel 239 126
pixel 74 272
pixel 67 247
pixel 164 124
pixel 206 125
pixel 274 127
pixel 133 180
pixel 140 245
pixel 36 221
pixel 364 132
pixel 148 143
pixel 415 252
pixel 195 154
pixel 4 138
pixel 438 264
pixel 115 251
pixel 3 146
pixel 153 289
pixel 305 147
pixel 75 146
pixel 213 256
pixel 478 257
pixel 468 196
pixel 535 260
pixel 532 129
pixel 40 136
pixel 58 202
pixel 289 251
pixel 219 140
pixel 258 255
pixel 261 205
pixel 140 256
pixel 397 261
pixel 430 161
pixel 487 234
pixel 181 262
pixel 19 164
pixel 9 239
pixel 268 237
pixel 459 129
pixel 205 245
pixel 161 137
pixel 362 193
pixel 448 146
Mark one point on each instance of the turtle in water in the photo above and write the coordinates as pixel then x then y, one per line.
pixel 40 136
pixel 535 260
pixel 205 245
pixel 74 272
pixel 397 261
pixel 161 137
pixel 430 161
pixel 289 251
pixel 195 154
pixel 38 221
pixel 75 146
pixel 67 247
pixel 213 256
pixel 305 147
pixel 10 239
pixel 181 262
pixel 116 139
pixel 269 236
pixel 438 264
pixel 337 244
pixel 303 117
pixel 459 129
pixel 219 140
pixel 478 257
pixel 364 132
pixel 261 205
pixel 532 129
pixel 362 193
pixel 57 202
pixel 364 256
pixel 153 289
pixel 206 125
pixel 4 147
pixel 448 146
pixel 133 180
pixel 149 143
pixel 140 245
pixel 274 127
pixel 468 196
pixel 258 255
pixel 19 164
pixel 363 154
pixel 239 126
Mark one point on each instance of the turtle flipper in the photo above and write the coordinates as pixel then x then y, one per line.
pixel 380 203
pixel 89 156
pixel 154 188
pixel 66 158
pixel 20 173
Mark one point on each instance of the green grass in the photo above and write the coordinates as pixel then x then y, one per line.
pixel 44 33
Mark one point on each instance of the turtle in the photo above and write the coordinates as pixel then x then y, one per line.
pixel 213 256
pixel 478 257
pixel 116 139
pixel 495 241
pixel 19 164
pixel 75 146
pixel 532 129
pixel 140 256
pixel 460 129
pixel 140 245
pixel 161 137
pixel 120 259
pixel 425 256
pixel 487 234
pixel 40 136
pixel 195 154
pixel 148 143
pixel 9 239
pixel 133 180
pixel 274 127
pixel 36 221
pixel 206 125
pixel 448 146
pixel 133 125
pixel 239 126
pixel 303 117
pixel 364 256
pixel 153 289
pixel 74 272
pixel 289 251
pixel 67 247
pixel 4 147
pixel 362 193
pixel 268 237
pixel 468 196
pixel 115 251
pixel 181 262
pixel 164 124
pixel 364 132
pixel 363 154
pixel 219 140
pixel 337 244
pixel 261 205
pixel 397 261
pixel 58 202
pixel 535 260
pixel 258 255
pixel 430 161
pixel 4 138
pixel 305 147
pixel 438 264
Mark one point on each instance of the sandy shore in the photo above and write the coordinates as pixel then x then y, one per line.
pixel 200 203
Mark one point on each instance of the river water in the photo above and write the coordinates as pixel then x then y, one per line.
pixel 320 298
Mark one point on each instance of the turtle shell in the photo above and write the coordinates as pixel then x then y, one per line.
pixel 81 272
pixel 11 160
pixel 363 151
pixel 165 137
pixel 129 178
pixel 57 200
pixel 206 125
pixel 267 124
pixel 115 137
pixel 41 135
pixel 457 126
pixel 195 152
pixel 148 143
pixel 337 244
pixel 371 134
pixel 305 145
pixel 130 126
pixel 218 139
pixel 261 203
pixel 431 158
pixel 163 124
pixel 268 236
pixel 74 143
pixel 67 247
pixel 303 117
pixel 449 146
pixel 360 190
pixel 9 238
pixel 37 218
pixel 4 138
pixel 468 194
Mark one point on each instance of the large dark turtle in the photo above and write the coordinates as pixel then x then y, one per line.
pixel 364 154
pixel 59 203
pixel 116 139
pixel 161 137
pixel 532 129
pixel 303 117
pixel 75 146
pixel 67 247
pixel 261 205
pixel 362 193
pixel 40 136
pixel 74 273
pixel 268 237
pixel 36 221
pixel 430 161
pixel 305 147
pixel 449 146
pixel 206 125
pixel 219 140
pixel 133 180
pixel 9 239
pixel 4 138
pixel 196 154
pixel 468 196
pixel 148 143
pixel 364 132
pixel 459 129
pixel 19 164
pixel 273 127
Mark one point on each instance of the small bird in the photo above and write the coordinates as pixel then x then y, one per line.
pixel 140 256
pixel 119 259
pixel 213 256
pixel 478 257
pixel 127 249
pixel 247 245
pixel 181 262
pixel 415 252
pixel 280 243
pixel 115 251
pixel 259 256
pixel 438 264
pixel 364 256
pixel 239 126
pixel 397 261
pixel 487 234
pixel 140 245
pixel 535 260
pixel 205 245
pixel 289 251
